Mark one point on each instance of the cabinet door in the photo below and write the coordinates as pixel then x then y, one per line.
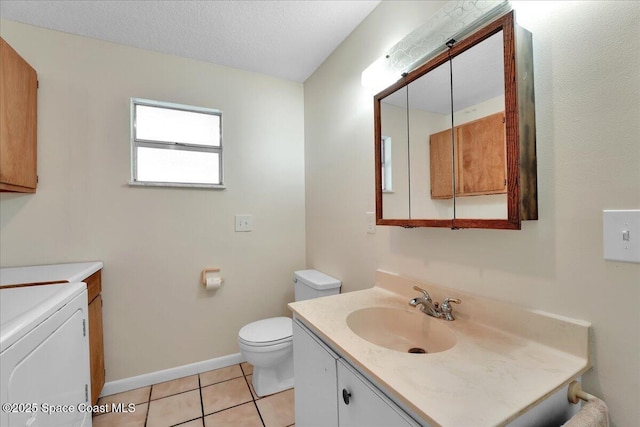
pixel 96 344
pixel 18 108
pixel 362 404
pixel 481 152
pixel 441 166
pixel 96 348
pixel 315 379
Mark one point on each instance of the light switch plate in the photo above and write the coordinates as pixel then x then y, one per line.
pixel 244 222
pixel 371 222
pixel 621 236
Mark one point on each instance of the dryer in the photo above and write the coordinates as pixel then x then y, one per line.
pixel 44 356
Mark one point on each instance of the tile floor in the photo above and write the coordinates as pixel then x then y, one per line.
pixel 219 398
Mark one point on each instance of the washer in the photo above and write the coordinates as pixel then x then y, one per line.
pixel 44 355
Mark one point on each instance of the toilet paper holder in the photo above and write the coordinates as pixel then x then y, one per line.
pixel 203 277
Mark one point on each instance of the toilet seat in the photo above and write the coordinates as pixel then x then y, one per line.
pixel 267 332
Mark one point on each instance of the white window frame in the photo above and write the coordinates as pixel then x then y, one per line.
pixel 171 145
pixel 385 147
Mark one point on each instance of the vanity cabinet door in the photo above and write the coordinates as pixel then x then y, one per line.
pixel 315 377
pixel 362 404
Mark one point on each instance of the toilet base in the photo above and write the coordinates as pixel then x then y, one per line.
pixel 273 379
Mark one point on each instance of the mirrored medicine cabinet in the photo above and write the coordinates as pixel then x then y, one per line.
pixel 455 142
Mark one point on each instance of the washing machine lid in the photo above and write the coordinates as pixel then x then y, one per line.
pixel 267 331
pixel 23 308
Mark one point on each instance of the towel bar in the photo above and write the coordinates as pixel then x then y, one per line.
pixel 575 393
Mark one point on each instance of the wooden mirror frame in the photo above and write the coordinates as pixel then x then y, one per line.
pixel 522 193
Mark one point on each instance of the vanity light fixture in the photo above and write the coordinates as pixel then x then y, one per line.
pixel 455 20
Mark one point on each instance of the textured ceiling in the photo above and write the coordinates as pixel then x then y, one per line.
pixel 287 39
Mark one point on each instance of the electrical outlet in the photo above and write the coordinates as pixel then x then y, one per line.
pixel 621 235
pixel 244 222
pixel 371 222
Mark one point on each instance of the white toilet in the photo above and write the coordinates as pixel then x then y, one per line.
pixel 268 344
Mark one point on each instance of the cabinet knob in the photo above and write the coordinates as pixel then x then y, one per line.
pixel 346 396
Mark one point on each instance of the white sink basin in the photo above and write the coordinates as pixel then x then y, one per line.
pixel 400 330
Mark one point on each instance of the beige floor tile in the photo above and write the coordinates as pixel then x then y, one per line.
pixel 139 395
pixel 219 375
pixel 122 419
pixel 169 388
pixel 247 368
pixel 174 409
pixel 277 410
pixel 195 423
pixel 245 415
pixel 225 395
pixel 253 391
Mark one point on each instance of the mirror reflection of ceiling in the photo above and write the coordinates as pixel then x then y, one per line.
pixel 478 74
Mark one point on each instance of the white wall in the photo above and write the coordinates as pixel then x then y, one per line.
pixel 422 124
pixel 155 241
pixel 587 63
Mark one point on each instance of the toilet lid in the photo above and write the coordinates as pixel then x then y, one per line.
pixel 267 330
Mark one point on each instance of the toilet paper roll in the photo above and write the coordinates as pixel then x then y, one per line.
pixel 213 283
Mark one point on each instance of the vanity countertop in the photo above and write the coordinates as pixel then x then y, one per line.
pixel 69 272
pixel 505 361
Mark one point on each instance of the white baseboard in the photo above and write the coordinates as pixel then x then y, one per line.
pixel 144 380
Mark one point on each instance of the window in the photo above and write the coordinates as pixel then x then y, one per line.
pixel 386 164
pixel 175 145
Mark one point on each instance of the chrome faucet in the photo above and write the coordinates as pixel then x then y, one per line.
pixel 427 306
pixel 433 309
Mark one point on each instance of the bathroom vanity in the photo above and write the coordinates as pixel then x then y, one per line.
pixel 321 376
pixel 494 365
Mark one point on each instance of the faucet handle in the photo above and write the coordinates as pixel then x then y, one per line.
pixel 424 292
pixel 448 300
pixel 446 309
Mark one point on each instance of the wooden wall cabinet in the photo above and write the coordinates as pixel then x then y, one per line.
pixel 479 159
pixel 96 343
pixel 18 122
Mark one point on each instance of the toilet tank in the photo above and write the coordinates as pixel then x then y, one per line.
pixel 310 284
